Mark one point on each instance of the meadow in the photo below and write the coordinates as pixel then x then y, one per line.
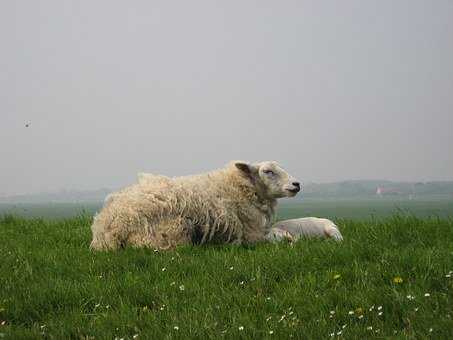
pixel 392 277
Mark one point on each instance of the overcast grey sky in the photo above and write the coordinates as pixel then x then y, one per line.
pixel 332 90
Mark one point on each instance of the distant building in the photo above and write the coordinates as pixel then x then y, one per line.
pixel 380 191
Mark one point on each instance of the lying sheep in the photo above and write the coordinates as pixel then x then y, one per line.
pixel 235 204
pixel 304 227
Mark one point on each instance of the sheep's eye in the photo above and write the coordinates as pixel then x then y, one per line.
pixel 268 172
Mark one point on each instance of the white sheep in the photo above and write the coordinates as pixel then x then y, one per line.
pixel 307 227
pixel 235 204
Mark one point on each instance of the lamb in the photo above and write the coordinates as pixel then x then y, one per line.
pixel 304 227
pixel 235 204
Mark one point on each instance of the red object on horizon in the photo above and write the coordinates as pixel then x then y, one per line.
pixel 383 191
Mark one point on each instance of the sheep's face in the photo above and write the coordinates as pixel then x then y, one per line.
pixel 270 179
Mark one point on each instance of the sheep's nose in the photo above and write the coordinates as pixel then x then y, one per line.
pixel 296 184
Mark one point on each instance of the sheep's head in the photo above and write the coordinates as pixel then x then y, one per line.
pixel 270 179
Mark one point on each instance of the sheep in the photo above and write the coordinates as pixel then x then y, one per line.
pixel 304 227
pixel 235 204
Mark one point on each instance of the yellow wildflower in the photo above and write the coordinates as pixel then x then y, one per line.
pixel 398 279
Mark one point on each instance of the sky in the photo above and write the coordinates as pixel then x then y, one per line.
pixel 332 90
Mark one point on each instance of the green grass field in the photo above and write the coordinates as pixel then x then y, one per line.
pixel 392 277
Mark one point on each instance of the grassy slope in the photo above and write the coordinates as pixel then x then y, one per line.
pixel 52 285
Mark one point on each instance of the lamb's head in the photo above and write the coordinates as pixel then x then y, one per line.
pixel 270 179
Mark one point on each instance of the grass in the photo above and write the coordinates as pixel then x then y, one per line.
pixel 371 285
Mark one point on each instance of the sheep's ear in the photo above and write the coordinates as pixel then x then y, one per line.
pixel 246 168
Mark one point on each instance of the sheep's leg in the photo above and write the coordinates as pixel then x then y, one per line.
pixel 276 235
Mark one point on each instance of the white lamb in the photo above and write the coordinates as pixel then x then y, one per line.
pixel 307 227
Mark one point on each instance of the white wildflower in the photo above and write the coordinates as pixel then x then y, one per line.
pixel 351 312
pixel 241 328
pixel 379 308
pixel 427 294
pixel 176 328
pixel 181 287
pixel 271 332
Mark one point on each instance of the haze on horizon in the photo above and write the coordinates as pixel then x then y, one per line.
pixel 332 90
